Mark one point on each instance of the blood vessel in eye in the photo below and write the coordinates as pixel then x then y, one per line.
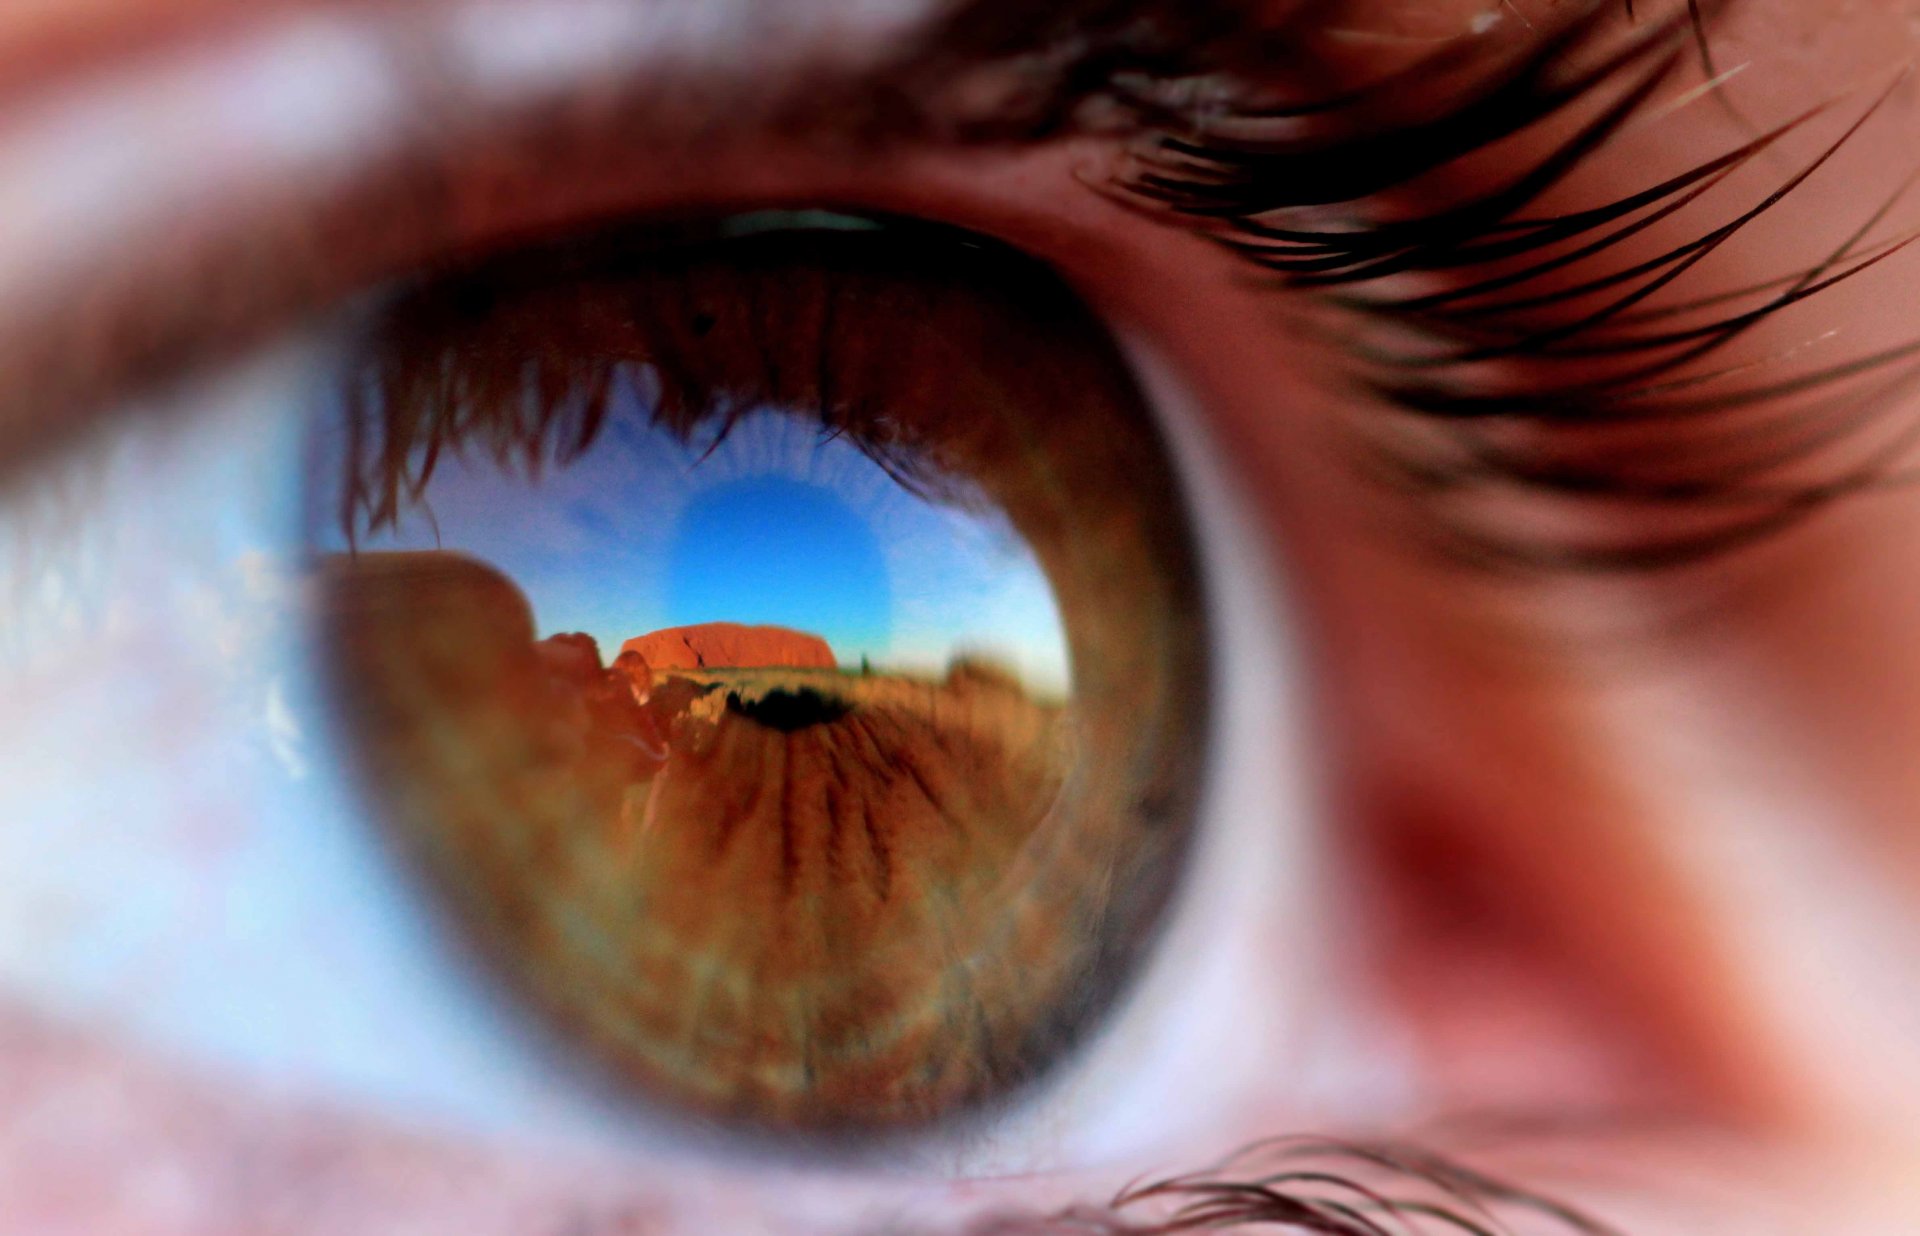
pixel 781 651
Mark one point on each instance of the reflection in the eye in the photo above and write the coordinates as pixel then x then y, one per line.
pixel 812 737
pixel 767 523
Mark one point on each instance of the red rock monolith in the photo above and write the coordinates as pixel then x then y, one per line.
pixel 711 645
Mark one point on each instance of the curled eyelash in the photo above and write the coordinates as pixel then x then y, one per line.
pixel 1315 1185
pixel 1521 355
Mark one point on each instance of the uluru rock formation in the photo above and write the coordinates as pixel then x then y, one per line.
pixel 714 644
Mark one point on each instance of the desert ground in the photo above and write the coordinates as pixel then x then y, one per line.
pixel 781 893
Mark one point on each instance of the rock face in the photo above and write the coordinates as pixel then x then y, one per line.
pixel 710 645
pixel 572 656
pixel 633 667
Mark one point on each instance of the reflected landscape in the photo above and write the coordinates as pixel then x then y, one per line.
pixel 796 762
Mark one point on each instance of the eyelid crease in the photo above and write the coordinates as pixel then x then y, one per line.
pixel 41 39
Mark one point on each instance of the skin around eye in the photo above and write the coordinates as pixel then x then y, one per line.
pixel 858 798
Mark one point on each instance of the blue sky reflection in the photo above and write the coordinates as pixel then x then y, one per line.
pixel 773 524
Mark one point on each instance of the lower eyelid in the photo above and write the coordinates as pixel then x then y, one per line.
pixel 233 1160
pixel 235 1157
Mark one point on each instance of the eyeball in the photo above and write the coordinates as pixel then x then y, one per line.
pixel 779 644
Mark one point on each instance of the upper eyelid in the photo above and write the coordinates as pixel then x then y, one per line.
pixel 184 200
pixel 303 215
pixel 44 38
pixel 245 210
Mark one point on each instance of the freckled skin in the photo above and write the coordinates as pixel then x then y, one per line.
pixel 1580 796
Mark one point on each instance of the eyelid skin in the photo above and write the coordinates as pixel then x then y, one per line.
pixel 282 163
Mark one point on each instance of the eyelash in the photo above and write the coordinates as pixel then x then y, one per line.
pixel 463 364
pixel 1305 191
pixel 1337 1188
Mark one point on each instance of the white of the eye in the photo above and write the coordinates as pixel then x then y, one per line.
pixel 189 872
pixel 1221 1023
pixel 188 869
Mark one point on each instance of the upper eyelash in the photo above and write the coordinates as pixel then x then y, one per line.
pixel 446 367
pixel 1301 189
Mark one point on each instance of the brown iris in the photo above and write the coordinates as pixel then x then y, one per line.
pixel 782 647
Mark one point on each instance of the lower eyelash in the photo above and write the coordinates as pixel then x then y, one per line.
pixel 1541 369
pixel 1309 1184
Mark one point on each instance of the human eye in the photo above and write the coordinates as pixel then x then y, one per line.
pixel 1358 491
